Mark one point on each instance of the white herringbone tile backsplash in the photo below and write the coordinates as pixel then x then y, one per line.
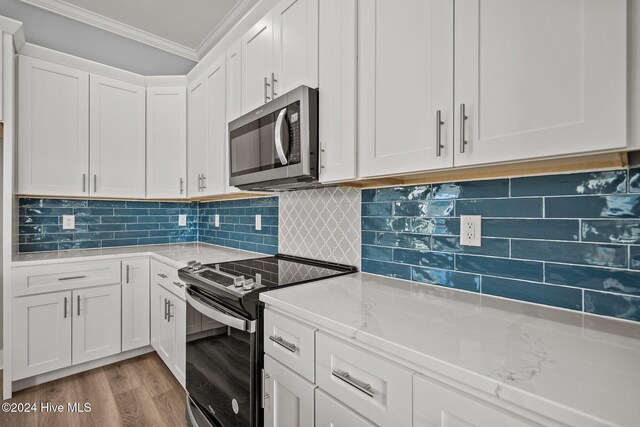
pixel 323 223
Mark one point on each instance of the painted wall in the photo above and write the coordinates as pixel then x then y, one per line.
pixel 569 241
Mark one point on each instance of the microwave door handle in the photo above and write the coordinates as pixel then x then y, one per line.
pixel 278 136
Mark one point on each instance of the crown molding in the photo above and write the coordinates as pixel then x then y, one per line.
pixel 229 21
pixel 99 21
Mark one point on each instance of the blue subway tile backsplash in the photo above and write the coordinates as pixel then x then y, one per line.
pixel 109 223
pixel 569 241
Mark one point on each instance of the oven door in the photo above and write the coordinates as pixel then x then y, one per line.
pixel 221 367
pixel 273 141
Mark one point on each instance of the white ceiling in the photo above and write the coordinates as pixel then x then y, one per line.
pixel 188 28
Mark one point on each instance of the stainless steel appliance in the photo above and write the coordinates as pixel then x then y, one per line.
pixel 224 364
pixel 275 147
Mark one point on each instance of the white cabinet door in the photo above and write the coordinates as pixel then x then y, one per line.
pixel 257 64
pixel 178 318
pixel 337 96
pixel 405 77
pixel 53 130
pixel 290 402
pixel 117 146
pixel 436 405
pixel 295 45
pixel 41 334
pixel 96 323
pixel 216 130
pixel 135 303
pixel 234 81
pixel 166 329
pixel 157 311
pixel 331 413
pixel 167 142
pixel 196 135
pixel 539 78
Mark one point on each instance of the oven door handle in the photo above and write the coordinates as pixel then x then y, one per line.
pixel 278 137
pixel 226 319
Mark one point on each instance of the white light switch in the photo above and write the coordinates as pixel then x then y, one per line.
pixel 258 222
pixel 182 220
pixel 216 220
pixel 68 222
pixel 470 230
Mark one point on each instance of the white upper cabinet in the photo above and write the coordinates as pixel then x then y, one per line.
pixel 53 144
pixel 338 93
pixel 295 45
pixel 216 129
pixel 405 86
pixel 539 78
pixel 167 142
pixel 257 64
pixel 117 138
pixel 196 135
pixel 234 81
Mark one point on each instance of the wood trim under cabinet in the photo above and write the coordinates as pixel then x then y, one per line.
pixel 618 160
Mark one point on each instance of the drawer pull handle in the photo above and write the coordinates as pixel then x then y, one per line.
pixel 283 343
pixel 71 277
pixel 363 387
pixel 178 284
pixel 164 276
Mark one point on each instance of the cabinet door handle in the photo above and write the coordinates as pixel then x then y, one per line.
pixel 265 395
pixel 71 277
pixel 95 183
pixel 169 315
pixel 84 182
pixel 181 185
pixel 164 276
pixel 178 284
pixel 273 86
pixel 127 273
pixel 278 340
pixel 204 181
pixel 165 309
pixel 439 124
pixel 463 120
pixel 266 85
pixel 322 155
pixel 78 308
pixel 65 307
pixel 359 385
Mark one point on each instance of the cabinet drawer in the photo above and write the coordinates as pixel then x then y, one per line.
pixel 59 277
pixel 290 342
pixel 377 388
pixel 167 277
pixel 331 413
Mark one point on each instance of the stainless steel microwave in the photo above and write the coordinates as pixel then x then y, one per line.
pixel 275 146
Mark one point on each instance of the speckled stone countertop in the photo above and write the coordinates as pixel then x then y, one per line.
pixel 540 358
pixel 177 255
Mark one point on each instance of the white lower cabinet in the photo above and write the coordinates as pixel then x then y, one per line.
pixel 289 399
pixel 437 405
pixel 41 333
pixel 169 329
pixel 96 323
pixel 135 303
pixel 331 413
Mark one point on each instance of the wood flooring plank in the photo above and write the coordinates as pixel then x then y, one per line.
pixel 93 387
pixel 137 409
pixel 172 405
pixel 122 376
pixel 25 419
pixel 155 376
pixel 58 392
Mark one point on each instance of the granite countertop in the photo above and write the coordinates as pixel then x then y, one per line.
pixel 530 355
pixel 177 255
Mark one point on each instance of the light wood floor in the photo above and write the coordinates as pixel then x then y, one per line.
pixel 136 392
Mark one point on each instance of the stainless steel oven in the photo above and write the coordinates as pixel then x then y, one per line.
pixel 221 368
pixel 275 147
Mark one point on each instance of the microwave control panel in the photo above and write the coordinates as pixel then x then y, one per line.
pixel 294 137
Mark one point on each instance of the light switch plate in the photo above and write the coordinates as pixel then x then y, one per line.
pixel 182 220
pixel 470 230
pixel 216 220
pixel 68 222
pixel 258 222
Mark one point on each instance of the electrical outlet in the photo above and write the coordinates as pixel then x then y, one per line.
pixel 216 220
pixel 182 220
pixel 470 230
pixel 68 222
pixel 258 222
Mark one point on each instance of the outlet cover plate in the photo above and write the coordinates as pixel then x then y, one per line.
pixel 182 220
pixel 68 222
pixel 470 230
pixel 258 222
pixel 216 220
